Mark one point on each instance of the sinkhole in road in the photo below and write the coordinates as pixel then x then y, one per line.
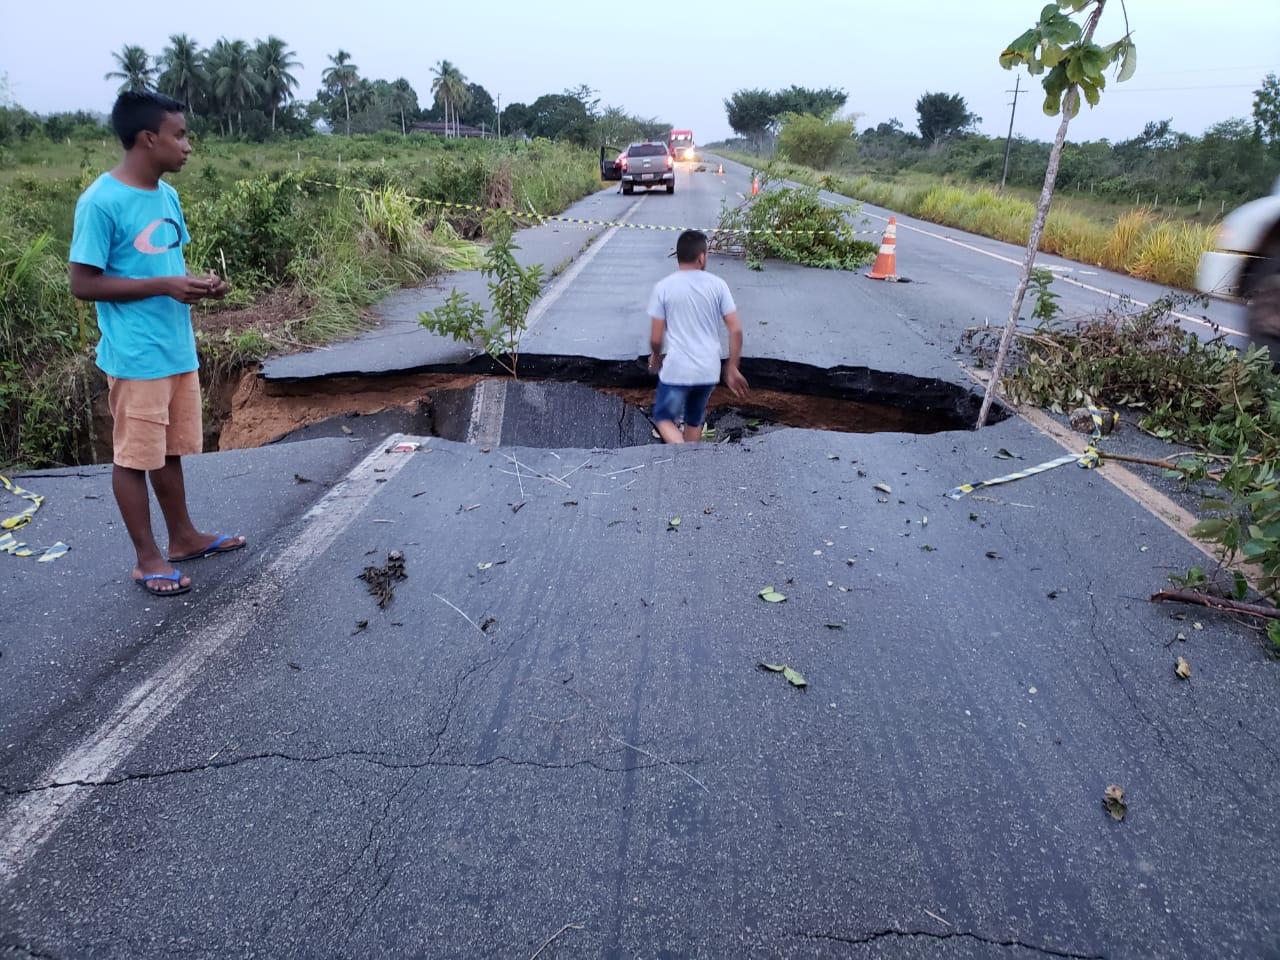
pixel 564 401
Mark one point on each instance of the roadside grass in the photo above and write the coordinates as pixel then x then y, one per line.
pixel 308 243
pixel 1136 241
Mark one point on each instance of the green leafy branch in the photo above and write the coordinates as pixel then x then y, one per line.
pixel 512 290
pixel 1058 44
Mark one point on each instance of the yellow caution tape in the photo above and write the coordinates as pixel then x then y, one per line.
pixel 1087 460
pixel 12 545
pixel 22 518
pixel 579 221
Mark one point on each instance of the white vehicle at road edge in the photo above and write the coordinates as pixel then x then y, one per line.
pixel 1245 263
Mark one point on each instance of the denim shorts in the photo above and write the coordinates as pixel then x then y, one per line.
pixel 681 403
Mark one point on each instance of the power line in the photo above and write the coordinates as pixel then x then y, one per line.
pixel 1220 86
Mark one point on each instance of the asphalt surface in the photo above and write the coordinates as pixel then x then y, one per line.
pixel 556 734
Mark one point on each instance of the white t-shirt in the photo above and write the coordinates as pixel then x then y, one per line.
pixel 694 304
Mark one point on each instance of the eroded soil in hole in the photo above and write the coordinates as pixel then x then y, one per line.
pixel 259 413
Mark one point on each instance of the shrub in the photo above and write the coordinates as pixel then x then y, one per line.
pixel 813 141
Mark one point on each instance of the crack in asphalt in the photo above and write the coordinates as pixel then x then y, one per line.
pixel 896 933
pixel 1179 757
pixel 362 756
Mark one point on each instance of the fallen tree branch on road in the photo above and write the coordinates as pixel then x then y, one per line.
pixel 1216 603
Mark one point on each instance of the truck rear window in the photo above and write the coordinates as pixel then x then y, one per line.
pixel 647 150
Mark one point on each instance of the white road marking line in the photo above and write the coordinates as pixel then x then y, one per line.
pixel 557 289
pixel 488 409
pixel 31 819
pixel 1065 279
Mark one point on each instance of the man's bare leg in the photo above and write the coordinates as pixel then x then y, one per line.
pixel 692 434
pixel 171 492
pixel 669 432
pixel 130 488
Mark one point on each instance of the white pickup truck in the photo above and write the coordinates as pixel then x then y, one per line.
pixel 1245 263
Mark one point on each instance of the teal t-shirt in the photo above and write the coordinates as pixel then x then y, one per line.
pixel 129 232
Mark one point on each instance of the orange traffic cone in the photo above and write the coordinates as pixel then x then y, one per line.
pixel 886 265
pixel 755 184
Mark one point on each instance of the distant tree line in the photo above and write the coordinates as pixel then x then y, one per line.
pixel 758 114
pixel 1234 160
pixel 249 91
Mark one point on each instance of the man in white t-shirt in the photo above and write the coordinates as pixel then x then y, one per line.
pixel 687 308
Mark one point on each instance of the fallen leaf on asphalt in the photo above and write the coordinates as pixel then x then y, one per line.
pixel 673 523
pixel 294 666
pixel 794 677
pixel 835 626
pixel 849 561
pixel 926 548
pixel 1197 625
pixel 992 554
pixel 1113 802
pixel 833 456
pixel 882 487
pixel 299 478
pixel 1003 454
pixel 708 510
pixel 1180 636
pixel 1182 668
pixel 770 595
pixel 360 625
pixel 614 523
pixel 470 507
pixel 486 623
pixel 515 507
pixel 346 429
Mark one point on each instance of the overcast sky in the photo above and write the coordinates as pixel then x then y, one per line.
pixel 1198 62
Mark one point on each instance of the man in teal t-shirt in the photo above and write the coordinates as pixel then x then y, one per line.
pixel 126 256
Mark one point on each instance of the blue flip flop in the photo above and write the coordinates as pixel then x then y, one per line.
pixel 213 548
pixel 175 577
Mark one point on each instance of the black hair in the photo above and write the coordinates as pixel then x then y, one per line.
pixel 691 245
pixel 138 110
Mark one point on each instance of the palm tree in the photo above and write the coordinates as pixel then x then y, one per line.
pixel 182 70
pixel 342 74
pixel 234 82
pixel 135 69
pixel 403 97
pixel 450 89
pixel 272 61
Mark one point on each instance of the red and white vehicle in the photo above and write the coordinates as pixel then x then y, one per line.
pixel 680 143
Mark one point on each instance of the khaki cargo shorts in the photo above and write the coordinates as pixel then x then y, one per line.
pixel 154 419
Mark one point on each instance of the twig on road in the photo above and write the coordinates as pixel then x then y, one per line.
pixel 1217 603
pixel 654 756
pixel 563 477
pixel 574 925
pixel 461 614
pixel 530 469
pixel 638 466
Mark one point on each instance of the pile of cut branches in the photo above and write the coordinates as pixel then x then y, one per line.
pixel 1223 402
pixel 792 224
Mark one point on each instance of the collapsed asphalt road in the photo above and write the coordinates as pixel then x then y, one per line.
pixel 556 735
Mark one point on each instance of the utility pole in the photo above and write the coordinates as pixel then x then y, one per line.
pixel 1008 141
pixel 499 116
